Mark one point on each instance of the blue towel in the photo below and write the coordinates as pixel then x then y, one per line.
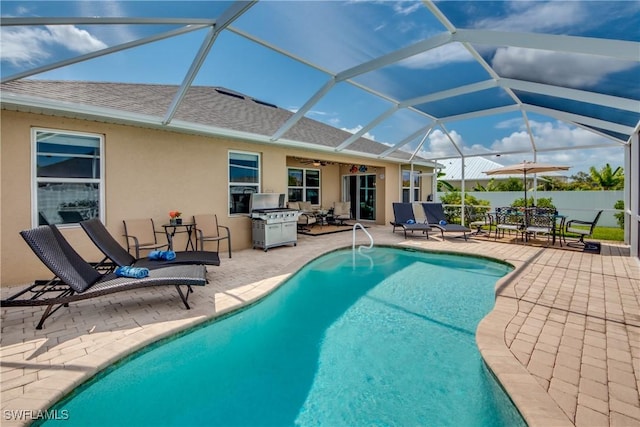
pixel 134 272
pixel 443 222
pixel 162 255
pixel 410 221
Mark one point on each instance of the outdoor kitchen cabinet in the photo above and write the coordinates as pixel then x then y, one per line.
pixel 267 235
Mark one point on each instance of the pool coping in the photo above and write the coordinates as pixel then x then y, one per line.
pixel 534 403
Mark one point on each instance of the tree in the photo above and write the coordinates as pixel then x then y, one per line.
pixel 607 178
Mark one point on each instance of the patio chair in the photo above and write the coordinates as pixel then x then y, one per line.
pixel 436 218
pixel 582 232
pixel 75 279
pixel 208 230
pixel 540 221
pixel 509 219
pixel 478 218
pixel 141 234
pixel 341 212
pixel 307 217
pixel 403 217
pixel 117 255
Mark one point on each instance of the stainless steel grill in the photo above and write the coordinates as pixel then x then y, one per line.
pixel 271 223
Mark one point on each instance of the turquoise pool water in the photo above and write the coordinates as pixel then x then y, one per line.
pixel 387 340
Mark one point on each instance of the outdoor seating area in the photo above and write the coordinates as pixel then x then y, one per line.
pixel 75 279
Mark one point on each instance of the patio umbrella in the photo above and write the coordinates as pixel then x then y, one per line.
pixel 526 168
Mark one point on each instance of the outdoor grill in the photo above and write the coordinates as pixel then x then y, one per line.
pixel 271 223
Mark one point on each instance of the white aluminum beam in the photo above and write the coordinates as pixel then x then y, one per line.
pixel 426 130
pixel 577 118
pixel 303 110
pixel 382 117
pixel 574 94
pixel 618 49
pixel 232 13
pixel 97 20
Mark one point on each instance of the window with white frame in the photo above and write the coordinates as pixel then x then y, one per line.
pixel 67 176
pixel 244 180
pixel 304 185
pixel 409 182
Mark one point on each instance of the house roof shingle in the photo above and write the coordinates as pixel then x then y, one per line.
pixel 213 109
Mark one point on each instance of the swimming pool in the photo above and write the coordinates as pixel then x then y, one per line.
pixel 387 339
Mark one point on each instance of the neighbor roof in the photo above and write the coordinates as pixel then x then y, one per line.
pixel 425 66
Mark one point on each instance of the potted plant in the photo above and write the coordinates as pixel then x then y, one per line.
pixel 174 217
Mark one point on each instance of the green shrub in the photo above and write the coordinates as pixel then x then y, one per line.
pixel 619 215
pixel 542 203
pixel 453 213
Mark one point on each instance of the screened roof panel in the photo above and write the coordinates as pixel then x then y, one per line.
pixel 396 128
pixel 348 107
pixel 563 69
pixel 259 72
pixel 614 115
pixel 53 44
pixel 601 19
pixel 428 72
pixel 467 103
pixel 338 35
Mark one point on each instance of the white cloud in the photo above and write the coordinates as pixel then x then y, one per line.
pixel 557 68
pixel 74 39
pixel 558 134
pixel 449 53
pixel 358 128
pixel 533 16
pixel 406 8
pixel 30 46
pixel 23 46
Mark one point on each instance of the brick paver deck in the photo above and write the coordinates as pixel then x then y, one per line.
pixel 563 338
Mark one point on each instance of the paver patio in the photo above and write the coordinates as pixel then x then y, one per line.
pixel 563 338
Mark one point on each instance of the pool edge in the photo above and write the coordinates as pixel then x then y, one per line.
pixel 534 403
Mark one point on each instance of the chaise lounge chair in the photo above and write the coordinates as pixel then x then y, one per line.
pixel 76 280
pixel 405 219
pixel 112 250
pixel 436 218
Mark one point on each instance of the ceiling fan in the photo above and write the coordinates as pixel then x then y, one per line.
pixel 315 162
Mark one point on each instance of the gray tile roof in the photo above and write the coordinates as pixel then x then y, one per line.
pixel 202 105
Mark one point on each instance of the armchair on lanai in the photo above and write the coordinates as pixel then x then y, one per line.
pixel 584 229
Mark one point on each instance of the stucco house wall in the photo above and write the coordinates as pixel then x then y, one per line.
pixel 149 172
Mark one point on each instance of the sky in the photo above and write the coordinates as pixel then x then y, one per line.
pixel 325 38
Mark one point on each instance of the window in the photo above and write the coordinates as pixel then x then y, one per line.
pixel 244 180
pixel 67 185
pixel 304 185
pixel 407 184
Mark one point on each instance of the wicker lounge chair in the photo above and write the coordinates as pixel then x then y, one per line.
pixel 405 219
pixel 113 251
pixel 436 218
pixel 76 280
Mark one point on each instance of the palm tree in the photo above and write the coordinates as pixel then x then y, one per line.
pixel 606 178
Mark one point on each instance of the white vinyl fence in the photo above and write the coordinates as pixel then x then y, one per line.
pixel 573 204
